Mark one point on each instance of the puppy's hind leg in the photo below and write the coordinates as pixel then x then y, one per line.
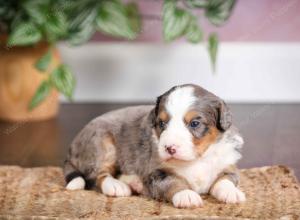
pixel 105 180
pixel 73 177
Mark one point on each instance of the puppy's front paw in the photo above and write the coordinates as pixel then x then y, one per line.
pixel 187 199
pixel 226 191
pixel 113 187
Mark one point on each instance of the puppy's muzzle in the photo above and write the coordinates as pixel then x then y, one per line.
pixel 171 149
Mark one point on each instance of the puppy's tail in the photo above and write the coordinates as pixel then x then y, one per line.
pixel 74 179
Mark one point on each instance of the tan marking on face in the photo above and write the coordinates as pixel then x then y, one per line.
pixel 203 143
pixel 163 115
pixel 189 116
pixel 107 158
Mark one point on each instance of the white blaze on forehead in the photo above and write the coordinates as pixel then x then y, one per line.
pixel 179 101
pixel 177 104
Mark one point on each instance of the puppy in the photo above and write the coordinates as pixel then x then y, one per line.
pixel 174 151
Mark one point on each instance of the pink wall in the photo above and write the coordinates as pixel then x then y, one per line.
pixel 252 20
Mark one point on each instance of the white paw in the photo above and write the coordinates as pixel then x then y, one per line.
pixel 133 181
pixel 76 183
pixel 113 187
pixel 187 199
pixel 226 191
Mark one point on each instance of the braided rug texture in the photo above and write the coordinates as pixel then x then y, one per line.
pixel 38 193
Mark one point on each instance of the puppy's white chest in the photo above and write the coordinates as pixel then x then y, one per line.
pixel 200 175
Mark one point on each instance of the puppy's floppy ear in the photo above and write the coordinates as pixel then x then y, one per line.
pixel 152 117
pixel 154 111
pixel 224 119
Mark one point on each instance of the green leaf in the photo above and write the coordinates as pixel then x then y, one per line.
pixel 82 35
pixel 81 17
pixel 40 95
pixel 56 26
pixel 194 33
pixel 8 11
pixel 25 33
pixel 218 11
pixel 19 18
pixel 43 63
pixel 82 27
pixel 36 9
pixel 175 20
pixel 198 3
pixel 134 17
pixel 113 19
pixel 213 49
pixel 73 7
pixel 63 79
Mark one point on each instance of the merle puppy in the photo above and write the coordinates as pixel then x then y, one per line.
pixel 174 151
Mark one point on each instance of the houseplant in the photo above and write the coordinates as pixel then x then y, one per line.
pixel 39 24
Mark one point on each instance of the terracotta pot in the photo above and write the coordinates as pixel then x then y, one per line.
pixel 19 81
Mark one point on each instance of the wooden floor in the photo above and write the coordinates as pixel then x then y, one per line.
pixel 271 133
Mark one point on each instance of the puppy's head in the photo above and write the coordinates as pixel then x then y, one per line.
pixel 187 119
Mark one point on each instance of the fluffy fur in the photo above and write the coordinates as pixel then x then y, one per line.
pixel 182 147
pixel 202 172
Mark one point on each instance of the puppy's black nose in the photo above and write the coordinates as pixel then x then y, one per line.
pixel 171 149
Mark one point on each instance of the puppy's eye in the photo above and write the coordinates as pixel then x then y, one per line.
pixel 194 124
pixel 162 124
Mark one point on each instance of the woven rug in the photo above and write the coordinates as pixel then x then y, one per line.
pixel 272 193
